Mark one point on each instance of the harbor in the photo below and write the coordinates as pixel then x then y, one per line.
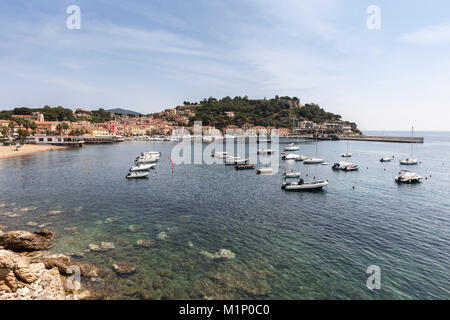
pixel 248 238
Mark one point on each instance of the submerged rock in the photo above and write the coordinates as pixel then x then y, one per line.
pixel 31 224
pixel 222 254
pixel 22 241
pixel 124 268
pixel 144 243
pixel 162 236
pixel 111 220
pixel 106 246
pixel 94 248
pixel 53 212
pixel 133 228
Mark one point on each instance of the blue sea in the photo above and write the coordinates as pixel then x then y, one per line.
pixel 284 245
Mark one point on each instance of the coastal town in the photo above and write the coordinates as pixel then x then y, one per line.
pixel 26 125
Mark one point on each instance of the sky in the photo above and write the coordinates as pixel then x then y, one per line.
pixel 148 56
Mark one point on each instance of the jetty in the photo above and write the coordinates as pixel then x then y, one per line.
pixel 383 139
pixel 102 139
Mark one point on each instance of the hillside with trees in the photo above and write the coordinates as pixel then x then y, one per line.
pixel 277 112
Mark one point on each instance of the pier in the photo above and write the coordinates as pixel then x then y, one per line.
pixel 102 139
pixel 383 139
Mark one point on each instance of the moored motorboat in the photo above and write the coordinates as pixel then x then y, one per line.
pixel 291 175
pixel 345 166
pixel 142 167
pixel 303 186
pixel 352 167
pixel 245 166
pixel 266 151
pixel 292 156
pixel 405 176
pixel 219 155
pixel 137 175
pixel 291 147
pixel 385 159
pixel 264 170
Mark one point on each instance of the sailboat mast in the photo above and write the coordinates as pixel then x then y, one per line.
pixel 412 144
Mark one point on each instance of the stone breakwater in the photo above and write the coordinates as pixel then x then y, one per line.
pixel 28 272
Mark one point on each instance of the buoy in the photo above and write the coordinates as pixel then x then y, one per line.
pixel 353 187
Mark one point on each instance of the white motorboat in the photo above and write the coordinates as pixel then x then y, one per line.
pixel 220 155
pixel 385 159
pixel 291 156
pixel 405 176
pixel 138 175
pixel 230 160
pixel 264 170
pixel 304 186
pixel 345 166
pixel 151 153
pixel 301 157
pixel 291 175
pixel 352 167
pixel 411 160
pixel 313 161
pixel 146 160
pixel 291 147
pixel 326 164
pixel 266 151
pixel 142 167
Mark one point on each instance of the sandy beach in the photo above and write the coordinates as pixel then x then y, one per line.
pixel 8 151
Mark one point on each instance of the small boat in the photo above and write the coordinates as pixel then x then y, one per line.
pixel 291 147
pixel 264 170
pixel 326 164
pixel 292 156
pixel 346 155
pixel 405 176
pixel 411 160
pixel 385 159
pixel 219 155
pixel 301 157
pixel 138 175
pixel 345 166
pixel 230 160
pixel 151 153
pixel 304 186
pixel 146 160
pixel 352 167
pixel 245 166
pixel 291 175
pixel 313 161
pixel 266 151
pixel 142 167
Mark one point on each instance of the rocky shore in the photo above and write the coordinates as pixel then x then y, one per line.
pixel 29 272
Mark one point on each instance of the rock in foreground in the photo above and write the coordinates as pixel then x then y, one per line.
pixel 22 280
pixel 24 241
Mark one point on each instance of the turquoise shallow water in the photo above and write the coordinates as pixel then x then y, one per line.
pixel 287 245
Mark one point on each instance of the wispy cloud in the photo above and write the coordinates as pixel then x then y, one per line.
pixel 431 35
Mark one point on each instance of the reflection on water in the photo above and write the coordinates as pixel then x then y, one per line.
pixel 278 245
